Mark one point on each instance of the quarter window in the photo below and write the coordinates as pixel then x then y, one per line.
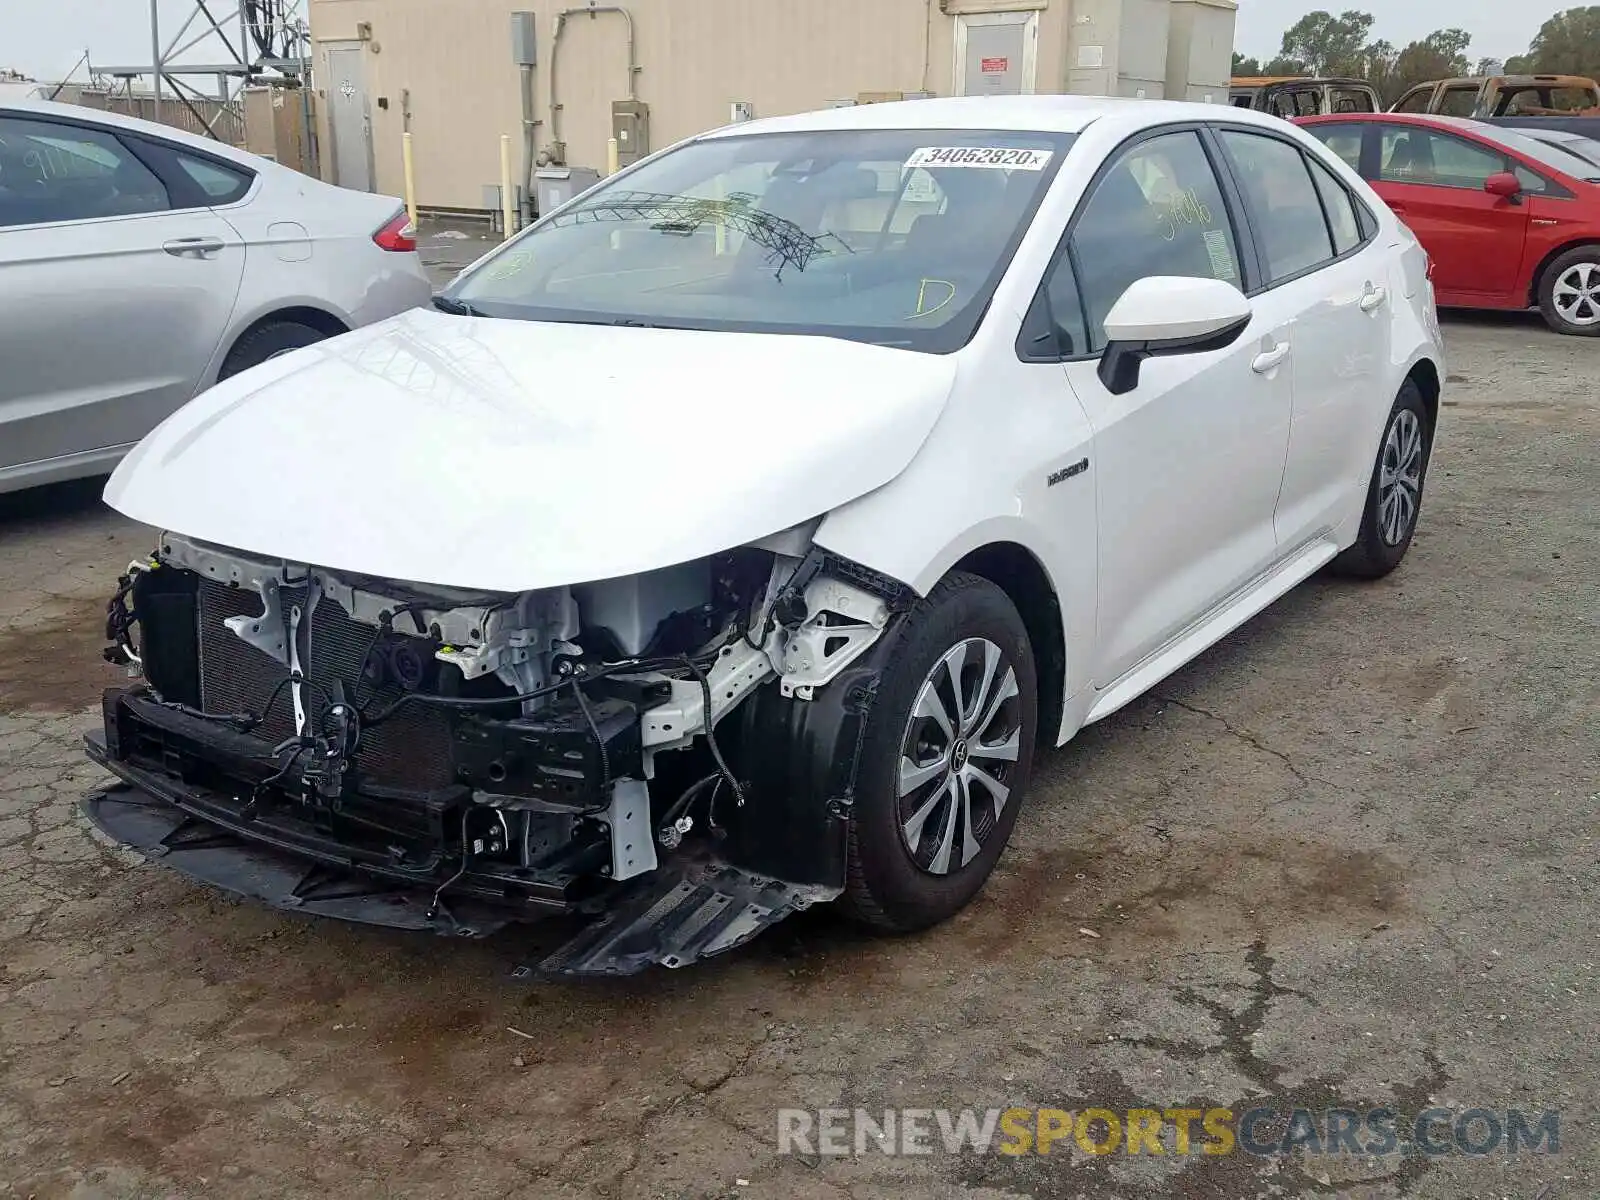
pixel 1346 100
pixel 1288 219
pixel 222 185
pixel 1341 209
pixel 51 172
pixel 1157 211
pixel 1065 302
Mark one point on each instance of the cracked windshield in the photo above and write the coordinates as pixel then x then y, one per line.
pixel 896 237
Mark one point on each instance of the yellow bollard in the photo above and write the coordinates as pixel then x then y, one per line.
pixel 411 178
pixel 508 202
pixel 612 156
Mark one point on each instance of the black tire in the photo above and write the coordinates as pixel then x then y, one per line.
pixel 1573 260
pixel 266 341
pixel 1377 551
pixel 886 888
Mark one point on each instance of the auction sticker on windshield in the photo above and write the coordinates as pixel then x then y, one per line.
pixel 1001 158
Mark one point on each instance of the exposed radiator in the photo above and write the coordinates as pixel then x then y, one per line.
pixel 410 750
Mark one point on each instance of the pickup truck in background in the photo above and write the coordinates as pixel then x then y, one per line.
pixel 1486 96
pixel 1290 96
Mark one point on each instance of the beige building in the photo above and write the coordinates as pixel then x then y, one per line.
pixel 651 72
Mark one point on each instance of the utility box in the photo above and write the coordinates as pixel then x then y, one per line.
pixel 1118 48
pixel 1200 50
pixel 554 186
pixel 276 121
pixel 524 39
pixel 630 125
pixel 1142 49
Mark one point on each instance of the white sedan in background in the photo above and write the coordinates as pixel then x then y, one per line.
pixel 729 540
pixel 140 264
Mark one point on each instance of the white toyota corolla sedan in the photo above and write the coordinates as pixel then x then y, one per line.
pixel 730 540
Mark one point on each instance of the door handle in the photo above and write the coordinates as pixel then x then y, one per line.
pixel 1270 360
pixel 178 247
pixel 1374 299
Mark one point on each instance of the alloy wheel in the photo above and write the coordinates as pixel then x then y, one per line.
pixel 1577 295
pixel 1400 478
pixel 958 755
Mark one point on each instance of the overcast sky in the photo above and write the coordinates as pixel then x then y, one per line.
pixel 46 37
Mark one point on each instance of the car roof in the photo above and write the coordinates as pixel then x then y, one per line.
pixel 1019 114
pixel 1252 81
pixel 169 133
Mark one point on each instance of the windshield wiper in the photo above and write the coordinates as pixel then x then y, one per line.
pixel 457 308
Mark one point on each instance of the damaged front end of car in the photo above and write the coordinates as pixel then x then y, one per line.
pixel 667 759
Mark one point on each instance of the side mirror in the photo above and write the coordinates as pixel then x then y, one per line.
pixel 1505 185
pixel 1162 316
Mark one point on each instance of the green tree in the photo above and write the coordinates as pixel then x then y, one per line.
pixel 1328 44
pixel 1440 55
pixel 1380 61
pixel 1286 66
pixel 1245 67
pixel 1568 44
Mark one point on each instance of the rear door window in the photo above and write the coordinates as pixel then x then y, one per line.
pixel 1459 101
pixel 1416 100
pixel 1285 211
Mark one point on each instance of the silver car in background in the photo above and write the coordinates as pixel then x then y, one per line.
pixel 140 264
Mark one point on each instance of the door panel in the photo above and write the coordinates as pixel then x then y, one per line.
pixel 1342 343
pixel 1434 183
pixel 106 331
pixel 1187 465
pixel 349 119
pixel 995 54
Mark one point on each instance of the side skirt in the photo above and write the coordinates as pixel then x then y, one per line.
pixel 1210 629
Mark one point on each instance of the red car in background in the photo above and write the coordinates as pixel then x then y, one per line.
pixel 1510 222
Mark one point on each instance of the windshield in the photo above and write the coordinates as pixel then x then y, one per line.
pixel 1547 154
pixel 1585 148
pixel 1557 158
pixel 896 237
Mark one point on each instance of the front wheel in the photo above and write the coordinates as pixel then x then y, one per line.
pixel 1569 293
pixel 946 760
pixel 1394 494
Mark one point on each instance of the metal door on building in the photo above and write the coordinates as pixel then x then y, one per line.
pixel 995 53
pixel 349 118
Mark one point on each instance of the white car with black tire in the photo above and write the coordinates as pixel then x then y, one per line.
pixel 731 540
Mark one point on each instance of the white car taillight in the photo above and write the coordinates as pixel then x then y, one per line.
pixel 398 234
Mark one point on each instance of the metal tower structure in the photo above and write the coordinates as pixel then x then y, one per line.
pixel 256 41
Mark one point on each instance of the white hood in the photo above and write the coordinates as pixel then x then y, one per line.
pixel 504 455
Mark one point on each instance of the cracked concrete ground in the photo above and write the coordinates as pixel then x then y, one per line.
pixel 1346 858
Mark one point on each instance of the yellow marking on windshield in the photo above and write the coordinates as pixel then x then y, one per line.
pixel 922 298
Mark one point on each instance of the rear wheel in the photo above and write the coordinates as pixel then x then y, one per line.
pixel 1394 494
pixel 1569 293
pixel 268 341
pixel 947 759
